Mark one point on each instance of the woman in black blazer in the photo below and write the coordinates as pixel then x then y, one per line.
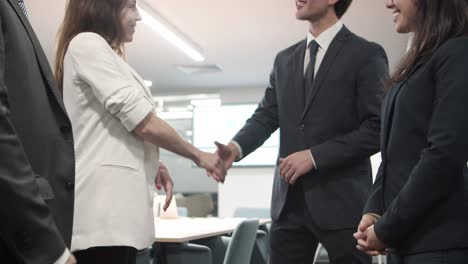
pixel 418 208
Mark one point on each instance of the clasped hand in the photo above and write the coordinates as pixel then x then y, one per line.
pixel 366 237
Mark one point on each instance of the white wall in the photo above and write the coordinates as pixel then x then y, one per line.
pixel 245 187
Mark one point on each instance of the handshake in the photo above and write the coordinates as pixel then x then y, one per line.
pixel 218 163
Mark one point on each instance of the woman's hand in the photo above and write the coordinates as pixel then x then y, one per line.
pixel 213 165
pixel 163 179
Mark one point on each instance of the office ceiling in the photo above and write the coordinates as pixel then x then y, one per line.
pixel 242 37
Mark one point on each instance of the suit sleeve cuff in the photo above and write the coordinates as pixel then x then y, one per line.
pixel 241 155
pixel 63 259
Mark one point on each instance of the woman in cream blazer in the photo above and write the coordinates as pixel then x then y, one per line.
pixel 116 132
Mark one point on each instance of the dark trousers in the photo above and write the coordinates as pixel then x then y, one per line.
pixel 6 255
pixel 294 237
pixel 453 256
pixel 114 255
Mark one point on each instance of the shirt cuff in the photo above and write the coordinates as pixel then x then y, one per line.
pixel 63 259
pixel 313 161
pixel 241 155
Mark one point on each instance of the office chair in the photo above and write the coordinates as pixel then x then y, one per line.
pixel 240 247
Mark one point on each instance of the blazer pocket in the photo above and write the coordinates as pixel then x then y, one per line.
pixel 45 190
pixel 119 166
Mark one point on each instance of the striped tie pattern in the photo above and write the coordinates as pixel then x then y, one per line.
pixel 23 7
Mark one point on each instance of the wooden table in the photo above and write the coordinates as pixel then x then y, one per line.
pixel 185 229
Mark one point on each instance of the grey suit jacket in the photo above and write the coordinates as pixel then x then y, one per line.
pixel 338 121
pixel 36 149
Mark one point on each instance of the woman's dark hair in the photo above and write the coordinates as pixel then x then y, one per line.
pixel 436 22
pixel 98 16
pixel 341 7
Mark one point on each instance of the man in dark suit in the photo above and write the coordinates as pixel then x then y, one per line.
pixel 324 96
pixel 36 149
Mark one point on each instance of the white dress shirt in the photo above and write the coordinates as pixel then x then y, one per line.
pixel 63 259
pixel 323 40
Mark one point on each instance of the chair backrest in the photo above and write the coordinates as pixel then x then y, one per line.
pixel 240 248
pixel 199 205
pixel 252 212
pixel 143 256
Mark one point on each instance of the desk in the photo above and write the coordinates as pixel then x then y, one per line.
pixel 185 229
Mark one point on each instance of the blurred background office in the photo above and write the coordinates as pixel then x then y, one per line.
pixel 208 59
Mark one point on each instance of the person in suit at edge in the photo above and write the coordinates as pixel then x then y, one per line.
pixel 418 207
pixel 324 96
pixel 117 133
pixel 37 166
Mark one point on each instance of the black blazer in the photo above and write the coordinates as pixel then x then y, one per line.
pixel 339 122
pixel 36 149
pixel 421 189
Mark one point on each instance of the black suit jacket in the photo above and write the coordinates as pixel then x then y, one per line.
pixel 422 184
pixel 339 122
pixel 36 149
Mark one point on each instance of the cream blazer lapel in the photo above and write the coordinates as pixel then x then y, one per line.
pixel 140 81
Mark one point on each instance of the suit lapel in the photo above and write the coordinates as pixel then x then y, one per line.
pixel 40 56
pixel 295 66
pixel 388 108
pixel 332 52
pixel 389 105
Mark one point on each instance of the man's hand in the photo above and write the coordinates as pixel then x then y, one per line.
pixel 371 244
pixel 213 165
pixel 296 165
pixel 71 260
pixel 227 153
pixel 367 220
pixel 163 179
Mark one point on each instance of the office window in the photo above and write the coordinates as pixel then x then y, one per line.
pixel 220 123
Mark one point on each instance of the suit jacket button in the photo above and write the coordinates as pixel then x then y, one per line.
pixel 3 110
pixel 301 127
pixel 70 186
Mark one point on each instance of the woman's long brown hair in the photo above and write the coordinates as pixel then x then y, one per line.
pixel 98 16
pixel 436 22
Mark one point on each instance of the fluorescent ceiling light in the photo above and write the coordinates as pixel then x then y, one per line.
pixel 177 109
pixel 157 23
pixel 207 102
pixel 148 83
pixel 185 97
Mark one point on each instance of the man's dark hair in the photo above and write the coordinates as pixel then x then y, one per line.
pixel 341 7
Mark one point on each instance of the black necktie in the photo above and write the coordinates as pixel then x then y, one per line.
pixel 23 7
pixel 309 75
